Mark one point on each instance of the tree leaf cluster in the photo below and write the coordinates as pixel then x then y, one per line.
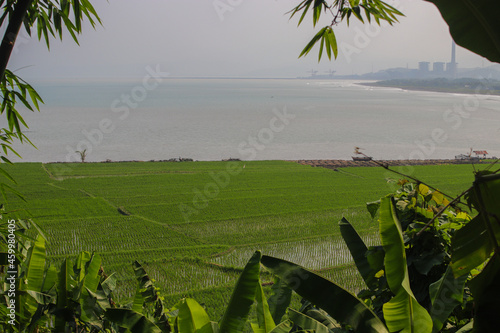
pixel 340 10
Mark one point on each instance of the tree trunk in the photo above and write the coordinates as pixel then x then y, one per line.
pixel 10 36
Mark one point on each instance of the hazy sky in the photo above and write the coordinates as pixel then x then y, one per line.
pixel 252 38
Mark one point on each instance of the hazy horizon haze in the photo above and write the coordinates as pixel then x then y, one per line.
pixel 235 39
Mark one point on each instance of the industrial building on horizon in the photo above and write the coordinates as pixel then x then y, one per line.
pixel 440 69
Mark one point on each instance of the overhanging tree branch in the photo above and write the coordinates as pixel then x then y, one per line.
pixel 10 36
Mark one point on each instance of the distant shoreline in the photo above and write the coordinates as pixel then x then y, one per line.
pixel 333 164
pixel 457 86
pixel 328 163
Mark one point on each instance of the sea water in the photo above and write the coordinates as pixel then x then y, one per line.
pixel 261 119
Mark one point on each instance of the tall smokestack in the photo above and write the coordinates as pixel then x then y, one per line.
pixel 453 63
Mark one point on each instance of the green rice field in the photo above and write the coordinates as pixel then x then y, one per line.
pixel 193 225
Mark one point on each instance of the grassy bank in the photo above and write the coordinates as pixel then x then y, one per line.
pixel 194 225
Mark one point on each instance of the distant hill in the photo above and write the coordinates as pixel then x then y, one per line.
pixel 491 73
pixel 462 85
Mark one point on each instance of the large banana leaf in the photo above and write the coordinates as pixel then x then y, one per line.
pixel 50 279
pixel 470 246
pixel 284 327
pixel 281 296
pixel 467 328
pixel 65 285
pixel 33 278
pixel 92 277
pixel 486 288
pixel 473 244
pixel 36 265
pixel 265 322
pixel 474 24
pixel 338 302
pixel 129 319
pixel 243 297
pixel 402 313
pixel 323 317
pixel 306 322
pixel 89 265
pixel 80 266
pixel 144 283
pixel 109 284
pixel 358 251
pixel 192 317
pixel 446 294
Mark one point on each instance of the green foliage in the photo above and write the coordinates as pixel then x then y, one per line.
pixel 340 304
pixel 51 18
pixel 211 251
pixel 402 313
pixel 410 280
pixel 375 10
pixel 473 25
pixel 243 297
pixel 484 228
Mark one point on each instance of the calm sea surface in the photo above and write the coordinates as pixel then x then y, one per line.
pixel 214 119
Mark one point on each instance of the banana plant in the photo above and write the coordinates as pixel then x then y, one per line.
pixel 478 244
pixel 188 316
pixel 402 313
pixel 339 303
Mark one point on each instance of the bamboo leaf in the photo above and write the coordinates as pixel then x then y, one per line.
pixel 335 300
pixel 321 48
pixel 313 41
pixel 332 42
